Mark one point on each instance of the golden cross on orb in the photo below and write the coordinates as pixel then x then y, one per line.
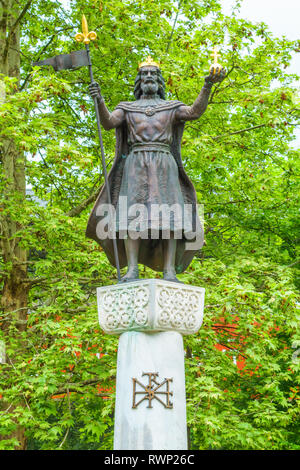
pixel 215 66
pixel 215 54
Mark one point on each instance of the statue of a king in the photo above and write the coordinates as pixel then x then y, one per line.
pixel 153 198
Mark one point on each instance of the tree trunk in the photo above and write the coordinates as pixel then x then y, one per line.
pixel 14 298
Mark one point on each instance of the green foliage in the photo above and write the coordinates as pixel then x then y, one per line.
pixel 241 158
pixel 248 386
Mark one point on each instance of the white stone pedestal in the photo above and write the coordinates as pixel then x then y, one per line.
pixel 163 426
pixel 151 316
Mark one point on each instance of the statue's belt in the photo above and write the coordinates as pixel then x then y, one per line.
pixel 149 147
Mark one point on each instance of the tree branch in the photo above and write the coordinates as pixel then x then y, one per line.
pixel 73 387
pixel 242 201
pixel 293 264
pixel 174 25
pixel 38 280
pixel 239 132
pixel 78 209
pixel 41 52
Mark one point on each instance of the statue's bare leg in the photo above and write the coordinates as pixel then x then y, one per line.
pixel 132 252
pixel 169 259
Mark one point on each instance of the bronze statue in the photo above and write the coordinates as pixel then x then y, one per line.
pixel 148 172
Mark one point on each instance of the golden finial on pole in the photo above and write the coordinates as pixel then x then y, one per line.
pixel 215 65
pixel 85 36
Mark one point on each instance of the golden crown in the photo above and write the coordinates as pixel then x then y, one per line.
pixel 149 62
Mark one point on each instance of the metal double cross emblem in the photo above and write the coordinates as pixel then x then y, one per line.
pixel 152 391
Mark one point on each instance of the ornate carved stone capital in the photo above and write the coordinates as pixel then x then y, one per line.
pixel 150 305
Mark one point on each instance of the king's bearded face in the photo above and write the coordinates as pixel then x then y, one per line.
pixel 149 80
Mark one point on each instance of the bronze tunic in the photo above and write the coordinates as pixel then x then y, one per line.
pixel 150 174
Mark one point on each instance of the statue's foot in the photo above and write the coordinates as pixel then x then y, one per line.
pixel 170 275
pixel 131 275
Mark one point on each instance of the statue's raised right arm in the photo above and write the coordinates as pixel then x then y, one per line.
pixel 190 113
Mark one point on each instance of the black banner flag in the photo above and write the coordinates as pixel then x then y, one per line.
pixel 72 61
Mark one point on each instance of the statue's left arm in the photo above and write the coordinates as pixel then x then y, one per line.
pixel 190 113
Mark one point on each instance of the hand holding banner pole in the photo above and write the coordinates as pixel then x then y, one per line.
pixel 86 37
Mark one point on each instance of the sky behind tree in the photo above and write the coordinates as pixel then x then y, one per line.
pixel 282 19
